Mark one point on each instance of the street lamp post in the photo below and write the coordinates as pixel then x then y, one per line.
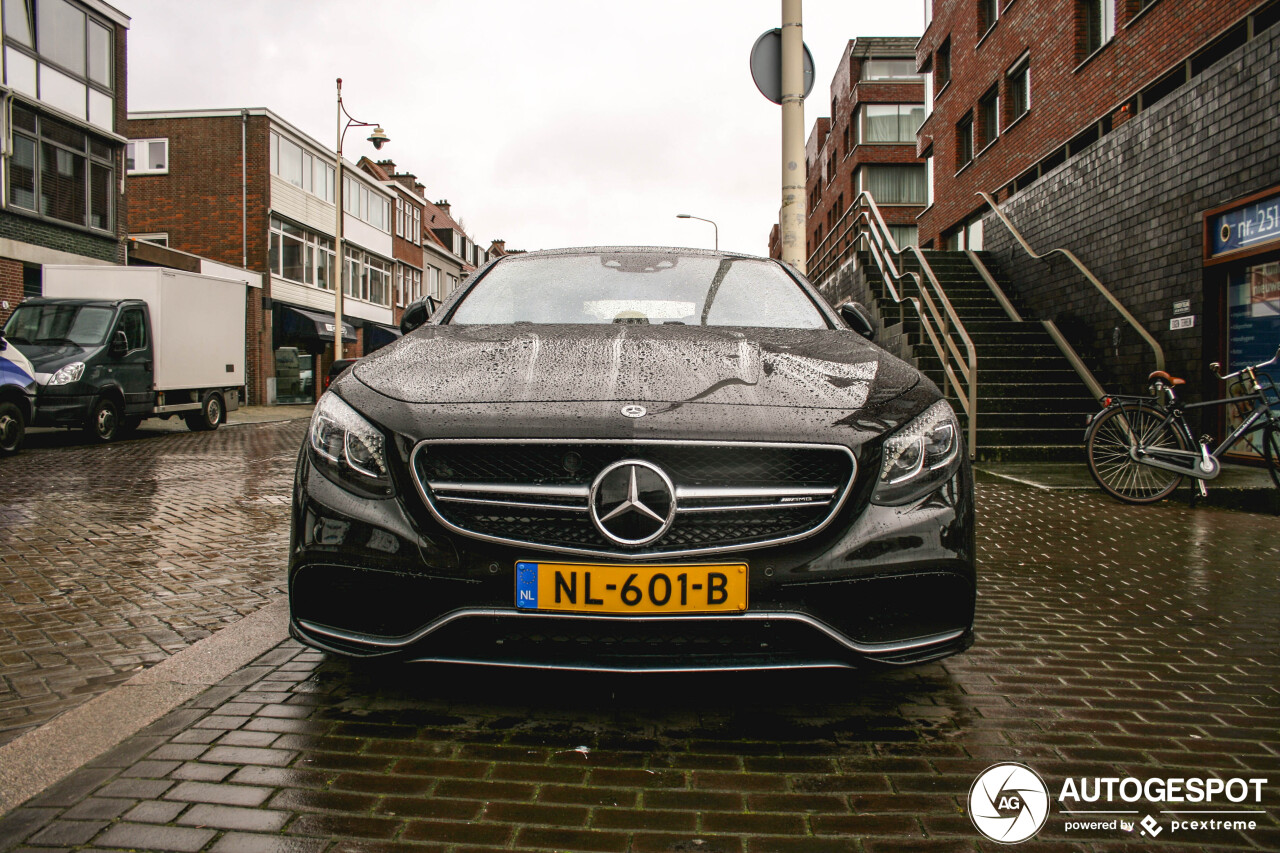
pixel 378 138
pixel 700 219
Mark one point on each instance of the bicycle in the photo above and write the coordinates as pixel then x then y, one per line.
pixel 1140 447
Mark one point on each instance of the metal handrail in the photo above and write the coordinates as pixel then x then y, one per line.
pixel 937 316
pixel 1085 271
pixel 1068 352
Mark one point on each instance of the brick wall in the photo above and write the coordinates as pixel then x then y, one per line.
pixel 1131 207
pixel 198 203
pixel 1068 93
pixel 10 287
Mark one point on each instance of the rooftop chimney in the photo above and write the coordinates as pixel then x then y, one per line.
pixel 443 204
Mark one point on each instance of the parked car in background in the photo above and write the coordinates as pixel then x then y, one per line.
pixel 634 459
pixel 17 396
pixel 336 369
pixel 113 345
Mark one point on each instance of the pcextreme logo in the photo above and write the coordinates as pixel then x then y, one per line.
pixel 1010 803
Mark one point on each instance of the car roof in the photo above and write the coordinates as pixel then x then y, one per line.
pixel 666 250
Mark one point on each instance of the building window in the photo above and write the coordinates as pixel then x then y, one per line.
pixel 366 204
pixel 147 157
pixel 300 255
pixel 368 278
pixel 301 168
pixel 905 235
pixel 989 117
pixel 889 69
pixel 942 65
pixel 893 184
pixel 964 141
pixel 988 13
pixel 56 52
pixel 891 122
pixel 408 221
pixel 60 172
pixel 1098 24
pixel 1018 81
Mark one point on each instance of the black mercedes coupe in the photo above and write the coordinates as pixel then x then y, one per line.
pixel 634 459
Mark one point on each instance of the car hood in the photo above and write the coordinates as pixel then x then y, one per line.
pixel 825 369
pixel 47 358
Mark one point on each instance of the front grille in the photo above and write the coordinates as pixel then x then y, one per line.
pixel 728 496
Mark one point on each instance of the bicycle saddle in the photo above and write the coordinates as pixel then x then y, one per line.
pixel 1172 380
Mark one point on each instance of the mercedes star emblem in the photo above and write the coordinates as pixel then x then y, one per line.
pixel 633 502
pixel 634 411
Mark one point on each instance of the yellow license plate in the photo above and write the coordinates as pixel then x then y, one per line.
pixel 578 588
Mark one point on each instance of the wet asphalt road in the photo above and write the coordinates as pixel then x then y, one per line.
pixel 1112 641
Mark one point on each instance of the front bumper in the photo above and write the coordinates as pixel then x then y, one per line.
pixel 54 409
pixel 374 577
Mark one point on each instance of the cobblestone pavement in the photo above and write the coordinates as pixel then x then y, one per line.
pixel 114 557
pixel 1113 641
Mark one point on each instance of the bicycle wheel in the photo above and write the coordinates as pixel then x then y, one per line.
pixel 1271 451
pixel 1119 475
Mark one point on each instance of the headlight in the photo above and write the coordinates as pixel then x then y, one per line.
pixel 918 457
pixel 68 373
pixel 347 448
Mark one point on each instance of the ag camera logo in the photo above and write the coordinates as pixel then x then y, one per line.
pixel 1009 802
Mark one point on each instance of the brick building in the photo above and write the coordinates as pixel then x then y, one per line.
pixel 868 144
pixel 64 107
pixel 246 188
pixel 1139 134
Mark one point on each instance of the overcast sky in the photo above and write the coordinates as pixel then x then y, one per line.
pixel 544 123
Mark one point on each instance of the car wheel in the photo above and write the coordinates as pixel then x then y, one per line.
pixel 12 428
pixel 103 424
pixel 210 416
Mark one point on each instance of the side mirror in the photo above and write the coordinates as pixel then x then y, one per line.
pixel 417 313
pixel 120 343
pixel 859 319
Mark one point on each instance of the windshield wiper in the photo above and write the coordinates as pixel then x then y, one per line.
pixel 56 341
pixel 16 339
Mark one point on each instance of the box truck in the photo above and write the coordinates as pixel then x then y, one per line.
pixel 113 345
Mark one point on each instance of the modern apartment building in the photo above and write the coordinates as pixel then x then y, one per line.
pixel 868 144
pixel 64 108
pixel 1138 134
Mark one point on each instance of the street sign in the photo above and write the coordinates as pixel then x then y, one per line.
pixel 766 66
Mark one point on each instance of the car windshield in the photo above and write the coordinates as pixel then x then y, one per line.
pixel 82 325
pixel 639 287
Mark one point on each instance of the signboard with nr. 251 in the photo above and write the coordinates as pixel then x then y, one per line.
pixel 1246 227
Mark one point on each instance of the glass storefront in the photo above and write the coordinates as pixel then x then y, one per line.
pixel 295 376
pixel 1253 326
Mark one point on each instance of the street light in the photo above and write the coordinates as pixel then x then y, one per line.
pixel 700 219
pixel 378 138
